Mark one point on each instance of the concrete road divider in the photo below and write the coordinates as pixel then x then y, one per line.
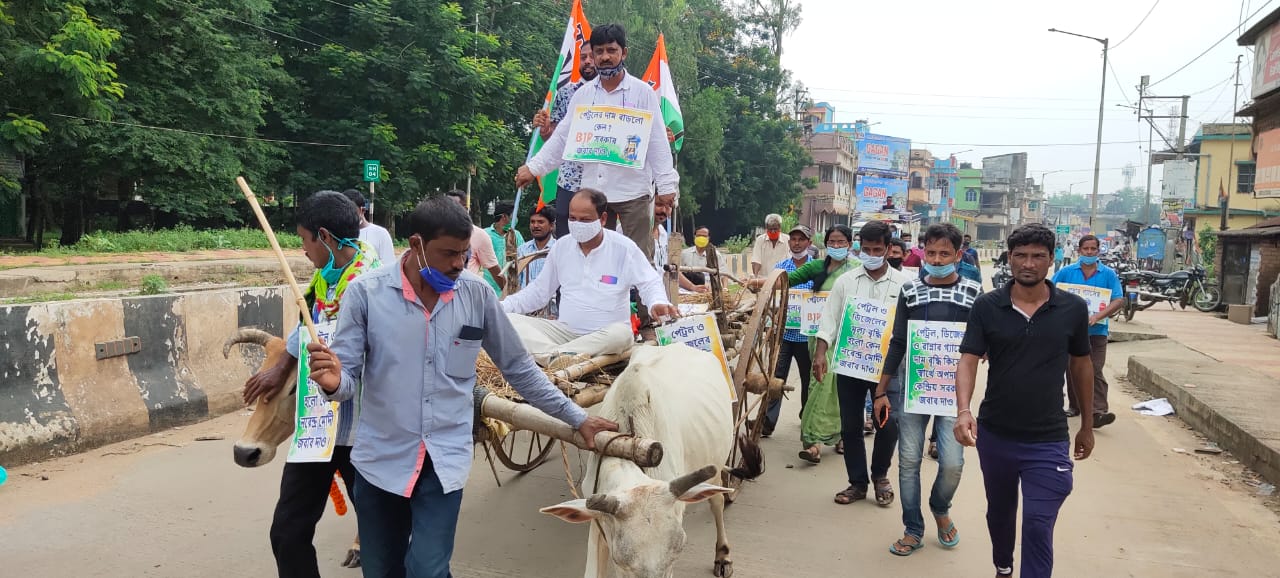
pixel 69 380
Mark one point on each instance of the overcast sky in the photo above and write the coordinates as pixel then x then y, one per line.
pixel 989 72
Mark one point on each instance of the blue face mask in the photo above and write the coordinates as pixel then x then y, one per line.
pixel 332 274
pixel 857 246
pixel 437 281
pixel 1088 260
pixel 838 253
pixel 940 271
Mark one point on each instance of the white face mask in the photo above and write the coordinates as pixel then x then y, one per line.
pixel 871 263
pixel 584 232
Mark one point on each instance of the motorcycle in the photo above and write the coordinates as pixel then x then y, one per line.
pixel 1001 277
pixel 1182 287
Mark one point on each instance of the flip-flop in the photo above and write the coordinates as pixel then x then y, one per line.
pixel 809 457
pixel 884 492
pixel 911 548
pixel 944 531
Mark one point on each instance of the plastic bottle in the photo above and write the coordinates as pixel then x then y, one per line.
pixel 4 476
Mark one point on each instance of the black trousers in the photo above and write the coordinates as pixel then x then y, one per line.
pixel 853 402
pixel 304 494
pixel 563 196
pixel 799 351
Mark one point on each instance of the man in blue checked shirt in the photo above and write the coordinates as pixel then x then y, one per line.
pixel 795 346
pixel 411 334
pixel 329 224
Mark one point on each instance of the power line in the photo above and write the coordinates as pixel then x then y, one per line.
pixel 1211 47
pixel 819 88
pixel 1119 85
pixel 1135 28
pixel 1069 144
pixel 198 133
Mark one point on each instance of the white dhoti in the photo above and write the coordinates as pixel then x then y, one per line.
pixel 553 338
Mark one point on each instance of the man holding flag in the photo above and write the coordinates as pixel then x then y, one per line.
pixel 629 190
pixel 570 178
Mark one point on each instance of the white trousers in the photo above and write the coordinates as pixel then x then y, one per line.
pixel 545 336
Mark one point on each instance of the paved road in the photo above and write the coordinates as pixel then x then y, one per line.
pixel 167 505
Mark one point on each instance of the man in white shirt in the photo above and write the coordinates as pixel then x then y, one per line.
pixel 770 248
pixel 629 190
pixel 661 238
pixel 696 256
pixel 594 271
pixel 370 233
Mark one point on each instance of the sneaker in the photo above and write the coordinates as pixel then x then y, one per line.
pixel 1101 419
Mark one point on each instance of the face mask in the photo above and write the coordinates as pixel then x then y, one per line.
pixel 857 246
pixel 332 274
pixel 612 71
pixel 838 253
pixel 437 281
pixel 701 242
pixel 895 262
pixel 773 235
pixel 940 271
pixel 584 232
pixel 871 263
pixel 800 255
pixel 1087 260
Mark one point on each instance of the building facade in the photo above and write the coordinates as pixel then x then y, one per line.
pixel 968 192
pixel 1004 183
pixel 1225 163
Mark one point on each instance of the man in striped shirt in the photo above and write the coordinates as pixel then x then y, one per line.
pixel 795 345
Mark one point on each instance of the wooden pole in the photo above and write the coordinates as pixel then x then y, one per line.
pixel 646 453
pixel 284 263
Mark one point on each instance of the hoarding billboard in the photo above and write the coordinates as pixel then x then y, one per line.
pixel 1179 181
pixel 1266 61
pixel 873 193
pixel 883 154
pixel 1266 183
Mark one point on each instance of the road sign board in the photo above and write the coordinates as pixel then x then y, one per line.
pixel 1063 229
pixel 372 171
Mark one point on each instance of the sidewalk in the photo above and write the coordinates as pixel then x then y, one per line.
pixel 1222 378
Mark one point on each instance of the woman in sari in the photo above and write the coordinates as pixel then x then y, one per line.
pixel 820 419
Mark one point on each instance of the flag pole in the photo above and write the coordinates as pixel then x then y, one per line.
pixel 284 263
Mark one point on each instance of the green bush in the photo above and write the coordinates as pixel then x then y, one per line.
pixel 153 285
pixel 736 244
pixel 1208 249
pixel 177 240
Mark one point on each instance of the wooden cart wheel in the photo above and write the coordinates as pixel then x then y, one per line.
pixel 758 354
pixel 523 450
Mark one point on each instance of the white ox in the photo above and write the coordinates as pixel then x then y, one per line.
pixel 676 395
pixel 272 421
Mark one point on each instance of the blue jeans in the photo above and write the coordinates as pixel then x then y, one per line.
pixel 911 437
pixel 388 521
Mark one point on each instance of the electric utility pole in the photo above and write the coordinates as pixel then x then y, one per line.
pixel 1178 146
pixel 1225 197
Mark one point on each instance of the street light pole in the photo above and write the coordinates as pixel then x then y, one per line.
pixel 1102 100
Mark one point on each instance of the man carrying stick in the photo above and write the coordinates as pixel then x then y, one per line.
pixel 418 368
pixel 329 225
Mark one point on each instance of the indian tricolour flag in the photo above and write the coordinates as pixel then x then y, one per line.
pixel 576 34
pixel 659 77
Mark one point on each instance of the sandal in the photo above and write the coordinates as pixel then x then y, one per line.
pixel 851 494
pixel 942 532
pixel 810 456
pixel 884 492
pixel 902 548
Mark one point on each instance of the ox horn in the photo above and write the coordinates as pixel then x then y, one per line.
pixel 247 335
pixel 686 482
pixel 603 503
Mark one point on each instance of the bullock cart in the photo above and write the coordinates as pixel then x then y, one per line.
pixel 750 324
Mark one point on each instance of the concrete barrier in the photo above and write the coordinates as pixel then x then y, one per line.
pixel 57 395
pixel 1229 404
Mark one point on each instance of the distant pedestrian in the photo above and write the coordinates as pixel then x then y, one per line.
pixel 969 253
pixel 1032 333
pixel 1094 274
pixel 769 248
pixel 370 233
pixel 1057 259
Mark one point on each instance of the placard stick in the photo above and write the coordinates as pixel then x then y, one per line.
pixel 284 263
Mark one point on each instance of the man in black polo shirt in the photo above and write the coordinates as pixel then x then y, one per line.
pixel 1032 333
